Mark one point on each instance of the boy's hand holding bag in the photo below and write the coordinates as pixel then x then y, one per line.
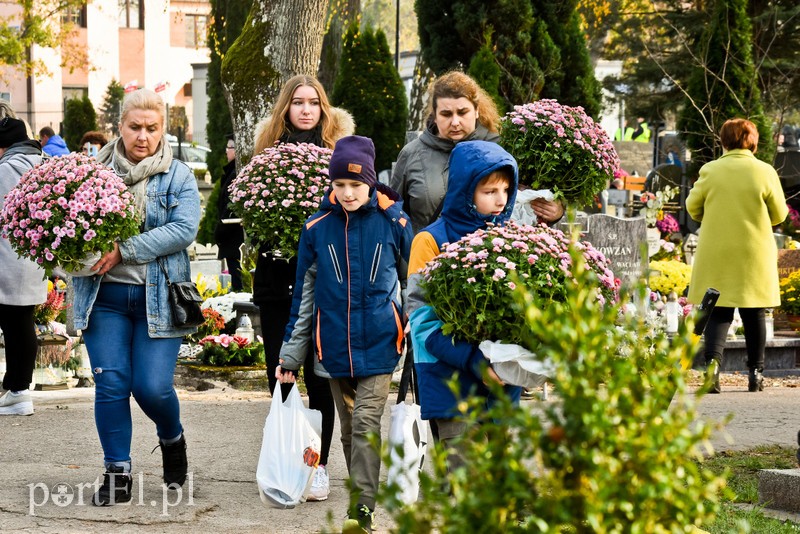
pixel 289 451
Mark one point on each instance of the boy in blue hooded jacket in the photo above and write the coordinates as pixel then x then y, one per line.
pixel 481 190
pixel 351 257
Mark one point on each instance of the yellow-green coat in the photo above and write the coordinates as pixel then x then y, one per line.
pixel 738 199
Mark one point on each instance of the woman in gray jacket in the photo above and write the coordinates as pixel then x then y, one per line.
pixel 458 110
pixel 22 282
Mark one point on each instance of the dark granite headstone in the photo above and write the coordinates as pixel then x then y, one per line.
pixel 620 240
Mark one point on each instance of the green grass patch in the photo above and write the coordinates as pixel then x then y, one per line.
pixel 742 468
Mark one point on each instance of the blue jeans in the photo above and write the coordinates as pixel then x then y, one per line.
pixel 126 360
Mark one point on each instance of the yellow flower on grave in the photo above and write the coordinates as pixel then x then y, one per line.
pixel 210 286
pixel 671 276
pixel 790 288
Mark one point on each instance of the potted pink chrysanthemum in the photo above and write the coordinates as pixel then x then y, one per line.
pixel 470 283
pixel 277 191
pixel 559 148
pixel 66 210
pixel 470 286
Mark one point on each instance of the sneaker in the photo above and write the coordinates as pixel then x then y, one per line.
pixel 173 458
pixel 16 403
pixel 361 523
pixel 320 487
pixel 116 487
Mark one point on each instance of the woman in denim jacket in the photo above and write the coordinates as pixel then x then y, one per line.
pixel 123 309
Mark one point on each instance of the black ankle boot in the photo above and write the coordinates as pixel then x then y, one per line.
pixel 755 380
pixel 175 464
pixel 712 376
pixel 116 487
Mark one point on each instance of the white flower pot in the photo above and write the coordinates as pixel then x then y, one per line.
pixel 88 263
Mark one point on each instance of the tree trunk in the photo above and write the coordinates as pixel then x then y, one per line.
pixel 341 13
pixel 281 38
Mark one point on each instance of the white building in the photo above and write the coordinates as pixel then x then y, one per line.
pixel 612 115
pixel 139 43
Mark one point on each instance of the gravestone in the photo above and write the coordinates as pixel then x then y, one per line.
pixel 620 240
pixel 788 262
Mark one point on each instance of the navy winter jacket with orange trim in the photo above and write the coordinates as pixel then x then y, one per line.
pixel 347 293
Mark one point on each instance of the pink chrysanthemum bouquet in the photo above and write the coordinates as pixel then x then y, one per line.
pixel 278 190
pixel 67 209
pixel 470 283
pixel 559 148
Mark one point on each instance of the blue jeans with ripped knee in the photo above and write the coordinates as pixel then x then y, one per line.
pixel 127 361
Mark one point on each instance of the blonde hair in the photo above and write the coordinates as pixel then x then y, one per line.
pixel 456 84
pixel 7 111
pixel 277 124
pixel 143 99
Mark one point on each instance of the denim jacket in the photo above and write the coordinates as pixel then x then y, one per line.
pixel 170 226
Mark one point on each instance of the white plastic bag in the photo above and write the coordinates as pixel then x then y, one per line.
pixel 523 212
pixel 408 440
pixel 289 451
pixel 516 365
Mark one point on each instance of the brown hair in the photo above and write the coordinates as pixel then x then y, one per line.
pixel 277 124
pixel 94 137
pixel 739 133
pixel 503 174
pixel 455 84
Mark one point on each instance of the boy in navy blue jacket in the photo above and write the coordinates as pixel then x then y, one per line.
pixel 481 189
pixel 352 254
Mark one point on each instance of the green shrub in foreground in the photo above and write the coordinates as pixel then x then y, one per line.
pixel 610 455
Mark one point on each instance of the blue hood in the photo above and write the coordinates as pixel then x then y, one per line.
pixel 470 162
pixel 56 146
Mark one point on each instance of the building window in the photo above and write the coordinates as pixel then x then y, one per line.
pixel 69 93
pixel 74 15
pixel 196 30
pixel 131 14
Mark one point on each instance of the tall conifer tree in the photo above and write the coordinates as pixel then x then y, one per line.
pixel 724 87
pixel 369 87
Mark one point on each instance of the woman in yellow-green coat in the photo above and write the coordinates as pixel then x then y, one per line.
pixel 738 199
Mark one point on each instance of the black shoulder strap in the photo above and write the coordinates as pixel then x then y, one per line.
pixel 166 274
pixel 408 378
pixel 437 212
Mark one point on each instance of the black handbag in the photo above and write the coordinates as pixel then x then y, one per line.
pixel 184 302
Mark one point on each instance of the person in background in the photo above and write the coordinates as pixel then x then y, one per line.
pixel 123 309
pixel 458 110
pixel 229 236
pixel 353 253
pixel 624 134
pixel 481 191
pixel 22 282
pixel 737 200
pixel 301 114
pixel 642 131
pixel 92 142
pixel 52 144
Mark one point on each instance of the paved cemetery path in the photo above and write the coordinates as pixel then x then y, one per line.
pixel 58 446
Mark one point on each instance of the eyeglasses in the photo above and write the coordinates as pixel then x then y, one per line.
pixel 229 147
